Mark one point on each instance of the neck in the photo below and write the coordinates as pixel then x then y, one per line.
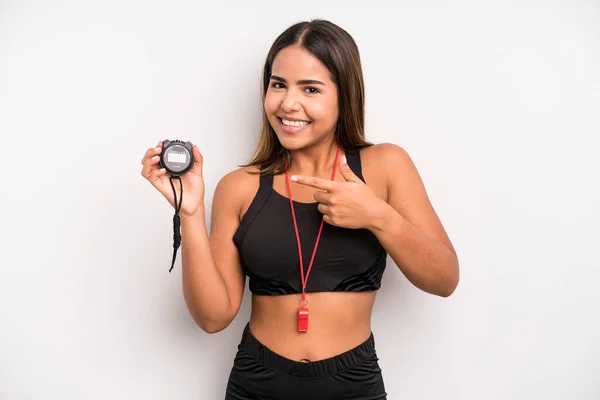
pixel 314 161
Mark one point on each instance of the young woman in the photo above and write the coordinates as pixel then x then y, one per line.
pixel 310 220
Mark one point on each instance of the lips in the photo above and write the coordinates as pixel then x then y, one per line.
pixel 292 126
pixel 294 123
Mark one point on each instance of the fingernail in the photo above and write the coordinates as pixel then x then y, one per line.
pixel 294 178
pixel 157 149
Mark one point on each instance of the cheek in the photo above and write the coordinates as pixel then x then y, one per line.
pixel 325 111
pixel 271 103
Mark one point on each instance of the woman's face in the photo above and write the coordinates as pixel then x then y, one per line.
pixel 301 102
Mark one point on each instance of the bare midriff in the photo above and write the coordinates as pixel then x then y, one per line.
pixel 338 322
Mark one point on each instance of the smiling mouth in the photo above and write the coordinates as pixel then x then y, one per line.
pixel 294 124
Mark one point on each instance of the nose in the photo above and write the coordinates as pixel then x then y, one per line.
pixel 290 102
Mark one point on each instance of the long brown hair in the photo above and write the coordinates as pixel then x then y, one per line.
pixel 336 49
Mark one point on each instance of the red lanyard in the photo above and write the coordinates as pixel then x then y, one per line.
pixel 303 310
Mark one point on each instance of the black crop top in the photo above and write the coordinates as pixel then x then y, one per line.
pixel 349 260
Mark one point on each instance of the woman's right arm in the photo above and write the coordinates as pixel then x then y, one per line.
pixel 213 279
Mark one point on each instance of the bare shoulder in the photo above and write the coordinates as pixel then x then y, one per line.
pixel 382 156
pixel 383 163
pixel 392 164
pixel 237 189
pixel 239 179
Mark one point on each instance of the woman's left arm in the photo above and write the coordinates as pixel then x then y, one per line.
pixel 406 224
pixel 409 229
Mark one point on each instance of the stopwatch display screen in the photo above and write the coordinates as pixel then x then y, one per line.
pixel 177 158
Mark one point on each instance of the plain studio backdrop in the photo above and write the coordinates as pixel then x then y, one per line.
pixel 498 105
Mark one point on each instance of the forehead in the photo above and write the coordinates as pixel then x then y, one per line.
pixel 296 63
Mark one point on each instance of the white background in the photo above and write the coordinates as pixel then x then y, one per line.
pixel 498 105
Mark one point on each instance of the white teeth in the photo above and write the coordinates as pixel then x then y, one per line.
pixel 294 123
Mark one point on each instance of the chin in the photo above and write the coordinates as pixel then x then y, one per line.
pixel 293 140
pixel 291 144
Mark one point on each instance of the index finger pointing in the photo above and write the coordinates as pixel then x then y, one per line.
pixel 317 183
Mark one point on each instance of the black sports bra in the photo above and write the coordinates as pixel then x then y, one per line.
pixel 350 260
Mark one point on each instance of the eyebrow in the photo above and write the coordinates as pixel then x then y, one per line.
pixel 300 82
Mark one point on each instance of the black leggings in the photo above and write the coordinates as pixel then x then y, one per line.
pixel 260 374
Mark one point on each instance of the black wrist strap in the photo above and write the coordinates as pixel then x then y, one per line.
pixel 176 220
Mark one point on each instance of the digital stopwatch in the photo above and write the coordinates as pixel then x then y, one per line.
pixel 176 157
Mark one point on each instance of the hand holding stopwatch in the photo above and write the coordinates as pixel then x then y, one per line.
pixel 180 160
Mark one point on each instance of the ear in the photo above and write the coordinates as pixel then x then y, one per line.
pixel 346 172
